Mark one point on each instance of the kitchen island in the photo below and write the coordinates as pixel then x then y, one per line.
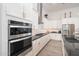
pixel 71 46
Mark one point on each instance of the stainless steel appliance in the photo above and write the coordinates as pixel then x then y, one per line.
pixel 68 30
pixel 20 37
pixel 19 29
pixel 68 38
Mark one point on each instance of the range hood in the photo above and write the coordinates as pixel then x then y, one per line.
pixel 40 13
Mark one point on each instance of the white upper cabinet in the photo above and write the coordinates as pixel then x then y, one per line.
pixel 30 9
pixel 36 7
pixel 15 9
pixel 28 12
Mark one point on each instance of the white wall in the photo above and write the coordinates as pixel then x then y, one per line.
pixel 60 14
pixel 0 33
pixel 4 34
pixel 52 23
pixel 55 18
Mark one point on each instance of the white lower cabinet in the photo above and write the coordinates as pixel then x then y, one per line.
pixel 38 45
pixel 55 36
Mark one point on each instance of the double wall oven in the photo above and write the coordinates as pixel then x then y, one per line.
pixel 20 37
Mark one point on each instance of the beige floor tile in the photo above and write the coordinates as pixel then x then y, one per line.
pixel 53 48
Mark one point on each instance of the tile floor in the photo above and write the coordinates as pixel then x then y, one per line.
pixel 53 48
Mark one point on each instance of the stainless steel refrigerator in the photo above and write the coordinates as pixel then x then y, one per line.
pixel 68 30
pixel 68 38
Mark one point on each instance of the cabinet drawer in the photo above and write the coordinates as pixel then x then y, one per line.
pixel 44 41
pixel 35 43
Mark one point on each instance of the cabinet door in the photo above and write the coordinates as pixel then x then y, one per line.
pixel 34 44
pixel 52 36
pixel 28 12
pixel 43 41
pixel 55 36
pixel 14 9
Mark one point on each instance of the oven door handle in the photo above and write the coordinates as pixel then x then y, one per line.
pixel 15 26
pixel 12 41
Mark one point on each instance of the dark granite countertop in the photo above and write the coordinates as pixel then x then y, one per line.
pixel 71 40
pixel 70 46
pixel 38 36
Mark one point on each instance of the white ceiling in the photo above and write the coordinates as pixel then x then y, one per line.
pixel 52 7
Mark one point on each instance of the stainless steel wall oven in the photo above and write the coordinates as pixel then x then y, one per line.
pixel 20 37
